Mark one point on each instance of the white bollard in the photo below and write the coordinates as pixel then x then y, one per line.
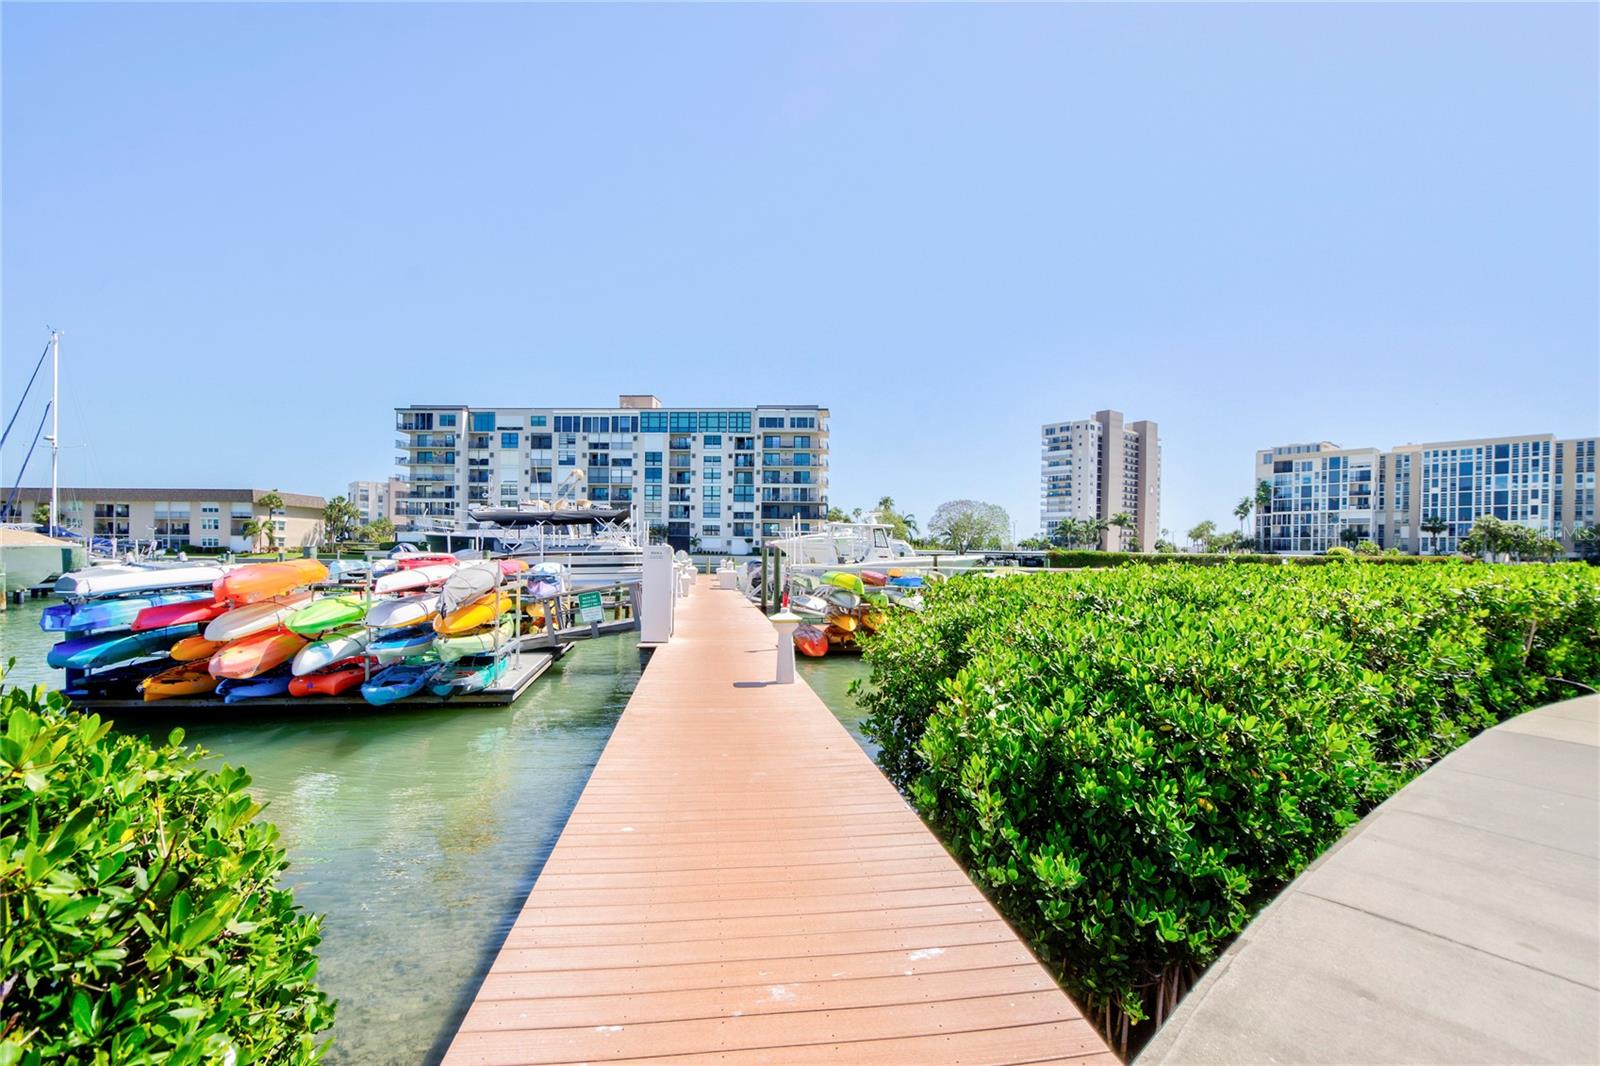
pixel 785 622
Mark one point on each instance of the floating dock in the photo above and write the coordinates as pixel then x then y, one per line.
pixel 738 883
pixel 525 668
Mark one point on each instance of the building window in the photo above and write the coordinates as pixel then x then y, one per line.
pixel 483 421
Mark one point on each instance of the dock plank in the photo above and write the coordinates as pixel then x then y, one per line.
pixel 738 883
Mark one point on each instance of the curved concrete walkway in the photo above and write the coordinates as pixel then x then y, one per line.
pixel 1458 922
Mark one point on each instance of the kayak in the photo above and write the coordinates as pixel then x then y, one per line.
pixel 809 608
pixel 183 612
pixel 401 643
pixel 256 654
pixel 119 580
pixel 341 644
pixel 185 679
pixel 466 676
pixel 872 619
pixel 331 680
pixel 120 682
pixel 405 611
pixel 848 582
pixel 811 641
pixel 412 560
pixel 108 649
pixel 845 622
pixel 907 581
pixel 841 599
pixel 255 617
pixel 190 649
pixel 874 577
pixel 469 583
pixel 474 615
pixel 543 588
pixel 108 614
pixel 329 612
pixel 413 579
pixel 397 682
pixel 263 581
pixel 483 642
pixel 237 689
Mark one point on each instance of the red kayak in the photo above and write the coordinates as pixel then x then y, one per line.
pixel 874 577
pixel 811 641
pixel 331 680
pixel 412 560
pixel 178 614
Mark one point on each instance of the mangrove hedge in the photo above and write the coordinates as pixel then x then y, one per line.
pixel 141 915
pixel 1133 761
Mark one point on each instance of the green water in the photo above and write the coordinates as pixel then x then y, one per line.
pixel 417 833
pixel 830 679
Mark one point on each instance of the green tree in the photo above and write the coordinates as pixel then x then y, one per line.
pixel 1124 523
pixel 1201 533
pixel 41 514
pixel 1350 537
pixel 340 520
pixel 837 514
pixel 1263 507
pixel 965 525
pixel 1241 511
pixel 379 532
pixel 255 529
pixel 1433 525
pixel 901 527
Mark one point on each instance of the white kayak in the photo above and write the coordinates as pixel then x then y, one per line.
pixel 119 579
pixel 405 611
pixel 417 577
pixel 345 644
pixel 256 617
pixel 497 639
pixel 468 583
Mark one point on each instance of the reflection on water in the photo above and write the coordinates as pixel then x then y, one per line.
pixel 417 833
pixel 830 678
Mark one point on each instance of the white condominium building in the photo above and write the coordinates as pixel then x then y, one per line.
pixel 1097 468
pixel 1321 490
pixel 376 499
pixel 721 478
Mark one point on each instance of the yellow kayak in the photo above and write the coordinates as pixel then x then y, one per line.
pixel 475 615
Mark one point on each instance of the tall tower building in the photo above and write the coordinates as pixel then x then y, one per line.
pixel 1098 468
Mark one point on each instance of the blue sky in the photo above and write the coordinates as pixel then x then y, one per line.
pixel 262 227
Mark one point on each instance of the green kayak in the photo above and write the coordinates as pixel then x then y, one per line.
pixel 329 612
pixel 480 643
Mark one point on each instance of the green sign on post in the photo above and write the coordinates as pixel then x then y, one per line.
pixel 589 610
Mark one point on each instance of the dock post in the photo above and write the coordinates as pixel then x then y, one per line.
pixel 785 622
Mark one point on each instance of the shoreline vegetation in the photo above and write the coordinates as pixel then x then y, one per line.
pixel 144 916
pixel 1131 762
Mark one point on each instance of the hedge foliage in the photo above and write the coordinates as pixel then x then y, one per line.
pixel 1065 559
pixel 141 918
pixel 1133 762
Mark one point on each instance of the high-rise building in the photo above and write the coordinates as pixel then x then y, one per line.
pixel 1320 490
pixel 376 499
pixel 720 478
pixel 1098 468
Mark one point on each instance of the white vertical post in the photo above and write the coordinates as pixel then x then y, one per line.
pixel 55 429
pixel 658 593
pixel 785 622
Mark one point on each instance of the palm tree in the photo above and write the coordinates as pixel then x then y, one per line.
pixel 1124 522
pixel 256 528
pixel 1263 507
pixel 1096 530
pixel 1433 525
pixel 1242 512
pixel 1349 536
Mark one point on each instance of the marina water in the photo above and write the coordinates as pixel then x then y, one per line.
pixel 416 832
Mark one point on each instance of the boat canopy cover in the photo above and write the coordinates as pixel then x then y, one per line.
pixel 511 516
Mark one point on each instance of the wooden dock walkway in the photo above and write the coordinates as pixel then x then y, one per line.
pixel 739 884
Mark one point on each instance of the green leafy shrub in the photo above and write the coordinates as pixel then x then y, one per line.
pixel 1340 552
pixel 1064 559
pixel 141 919
pixel 1133 762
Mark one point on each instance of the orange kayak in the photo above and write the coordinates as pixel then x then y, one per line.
pixel 811 641
pixel 330 680
pixel 260 581
pixel 479 613
pixel 196 647
pixel 185 679
pixel 256 654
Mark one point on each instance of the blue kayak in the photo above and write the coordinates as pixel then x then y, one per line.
pixel 274 682
pixel 911 582
pixel 397 682
pixel 107 614
pixel 120 682
pixel 467 675
pixel 396 644
pixel 108 649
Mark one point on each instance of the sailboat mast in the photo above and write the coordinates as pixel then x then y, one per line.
pixel 55 430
